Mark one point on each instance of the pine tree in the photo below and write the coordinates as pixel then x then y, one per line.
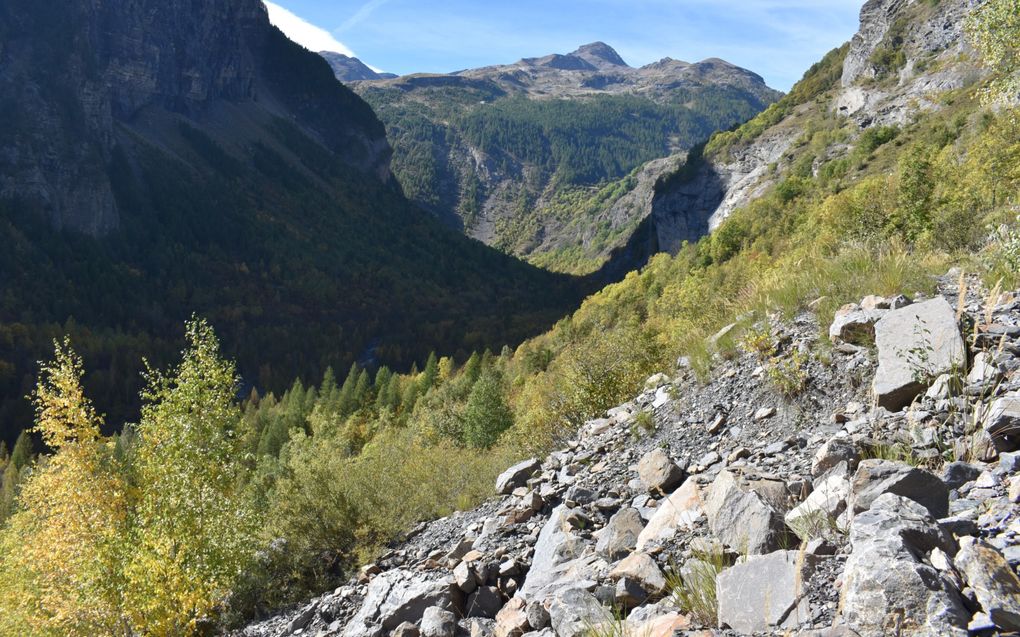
pixel 487 414
pixel 196 527
pixel 345 402
pixel 382 382
pixel 362 391
pixel 21 457
pixel 328 390
pixel 431 373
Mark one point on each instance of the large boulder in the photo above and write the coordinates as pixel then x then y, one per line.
pixel 576 613
pixel 887 586
pixel 765 592
pixel 560 560
pixel 1003 423
pixel 512 620
pixel 516 476
pixel 659 472
pixel 641 568
pixel 742 517
pixel 619 537
pixel 681 510
pixel 396 597
pixel 916 344
pixel 993 582
pixel 438 622
pixel 834 452
pixel 877 477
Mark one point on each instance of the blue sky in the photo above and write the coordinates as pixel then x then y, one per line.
pixel 778 39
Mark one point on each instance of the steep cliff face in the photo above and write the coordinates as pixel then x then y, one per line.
pixel 905 56
pixel 76 76
pixel 160 158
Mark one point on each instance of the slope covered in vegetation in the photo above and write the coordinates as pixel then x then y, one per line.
pixel 334 472
pixel 133 198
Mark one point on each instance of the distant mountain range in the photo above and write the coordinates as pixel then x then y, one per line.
pixel 533 157
pixel 235 178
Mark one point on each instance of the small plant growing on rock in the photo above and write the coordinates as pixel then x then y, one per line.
pixel 644 422
pixel 692 588
pixel 787 374
pixel 759 342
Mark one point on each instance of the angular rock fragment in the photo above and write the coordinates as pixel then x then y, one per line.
pixel 992 580
pixel 742 518
pixel 887 587
pixel 877 477
pixel 619 537
pixel 516 476
pixel 682 509
pixel 1003 423
pixel 575 613
pixel 765 592
pixel 916 344
pixel 659 472
pixel 396 597
pixel 855 324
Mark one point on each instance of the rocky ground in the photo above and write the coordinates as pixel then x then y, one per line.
pixel 878 497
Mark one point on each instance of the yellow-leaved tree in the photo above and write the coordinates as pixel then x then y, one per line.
pixel 62 552
pixel 195 527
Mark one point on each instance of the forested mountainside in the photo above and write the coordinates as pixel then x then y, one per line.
pixel 533 157
pixel 185 530
pixel 164 158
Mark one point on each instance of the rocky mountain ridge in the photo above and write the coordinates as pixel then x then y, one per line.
pixel 905 56
pixel 351 69
pixel 871 502
pixel 522 192
pixel 108 74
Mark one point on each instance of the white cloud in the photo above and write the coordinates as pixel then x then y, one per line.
pixel 303 32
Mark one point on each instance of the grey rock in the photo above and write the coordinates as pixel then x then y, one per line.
pixel 395 597
pixel 742 518
pixel 886 585
pixel 915 343
pixel 818 516
pixel 484 602
pixel 1003 423
pixel 537 614
pixel 833 452
pixel 620 536
pixel 629 594
pixel 464 577
pixel 992 580
pixel 877 477
pixel 643 570
pixel 559 559
pixel 765 592
pixel 957 474
pixel 407 629
pixel 855 324
pixel 575 612
pixel 438 622
pixel 516 476
pixel 681 510
pixel 1010 462
pixel 659 472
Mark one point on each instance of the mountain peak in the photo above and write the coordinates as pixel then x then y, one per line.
pixel 599 54
pixel 351 69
